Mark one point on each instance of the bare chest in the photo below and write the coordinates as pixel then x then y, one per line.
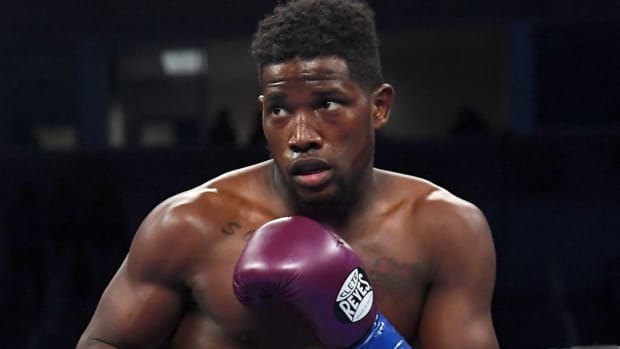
pixel 215 318
pixel 399 270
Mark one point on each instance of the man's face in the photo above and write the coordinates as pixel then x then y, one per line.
pixel 318 125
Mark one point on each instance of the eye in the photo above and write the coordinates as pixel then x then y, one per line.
pixel 329 105
pixel 277 110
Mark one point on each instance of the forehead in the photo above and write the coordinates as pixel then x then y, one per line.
pixel 308 71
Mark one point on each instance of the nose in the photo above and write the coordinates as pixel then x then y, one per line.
pixel 305 135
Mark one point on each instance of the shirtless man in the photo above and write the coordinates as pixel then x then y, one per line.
pixel 428 254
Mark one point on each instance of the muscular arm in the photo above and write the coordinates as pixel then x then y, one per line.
pixel 457 311
pixel 143 302
pixel 132 313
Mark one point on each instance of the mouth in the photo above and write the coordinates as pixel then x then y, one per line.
pixel 310 172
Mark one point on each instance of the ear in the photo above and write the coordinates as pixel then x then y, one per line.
pixel 261 103
pixel 381 99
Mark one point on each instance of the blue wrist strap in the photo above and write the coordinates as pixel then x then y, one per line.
pixel 382 335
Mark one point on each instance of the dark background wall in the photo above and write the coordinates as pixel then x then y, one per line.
pixel 512 105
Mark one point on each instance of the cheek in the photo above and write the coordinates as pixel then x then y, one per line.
pixel 354 148
pixel 277 145
pixel 356 131
pixel 273 135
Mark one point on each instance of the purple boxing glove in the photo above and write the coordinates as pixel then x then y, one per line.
pixel 297 261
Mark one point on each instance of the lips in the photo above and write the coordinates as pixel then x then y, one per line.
pixel 310 172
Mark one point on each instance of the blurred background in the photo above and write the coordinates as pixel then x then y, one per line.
pixel 108 107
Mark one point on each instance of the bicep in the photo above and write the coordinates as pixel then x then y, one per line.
pixel 457 310
pixel 453 320
pixel 133 312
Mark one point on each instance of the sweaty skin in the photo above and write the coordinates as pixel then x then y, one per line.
pixel 429 254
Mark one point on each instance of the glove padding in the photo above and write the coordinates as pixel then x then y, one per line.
pixel 299 262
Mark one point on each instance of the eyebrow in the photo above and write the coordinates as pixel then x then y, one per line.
pixel 274 96
pixel 329 92
pixel 278 96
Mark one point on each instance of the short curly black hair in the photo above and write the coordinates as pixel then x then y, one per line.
pixel 311 28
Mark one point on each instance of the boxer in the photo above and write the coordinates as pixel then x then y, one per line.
pixel 409 263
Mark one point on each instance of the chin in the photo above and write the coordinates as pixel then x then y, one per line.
pixel 314 199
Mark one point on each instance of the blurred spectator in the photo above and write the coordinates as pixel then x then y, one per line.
pixel 469 123
pixel 222 131
pixel 257 137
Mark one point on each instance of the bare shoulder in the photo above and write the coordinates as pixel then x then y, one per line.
pixel 460 243
pixel 188 223
pixel 445 221
pixel 446 213
pixel 458 250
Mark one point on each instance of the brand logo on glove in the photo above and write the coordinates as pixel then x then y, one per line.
pixel 355 297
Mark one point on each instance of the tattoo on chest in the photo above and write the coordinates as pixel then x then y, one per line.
pixel 232 228
pixel 247 235
pixel 396 279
